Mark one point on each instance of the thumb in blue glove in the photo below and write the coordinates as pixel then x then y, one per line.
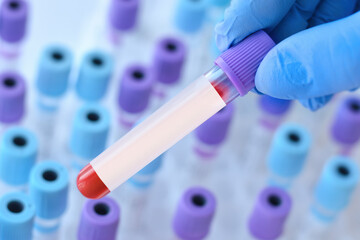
pixel 314 64
pixel 309 66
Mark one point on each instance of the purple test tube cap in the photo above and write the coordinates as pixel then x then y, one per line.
pixel 346 126
pixel 271 209
pixel 135 88
pixel 215 129
pixel 12 97
pixel 99 220
pixel 241 61
pixel 274 106
pixel 13 19
pixel 123 14
pixel 168 61
pixel 194 214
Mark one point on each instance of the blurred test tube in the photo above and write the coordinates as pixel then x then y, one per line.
pixel 134 197
pixel 51 85
pixel 332 195
pixel 288 154
pixel 194 214
pixel 49 182
pixel 18 153
pixel 17 214
pixel 13 17
pixel 268 217
pixel 99 220
pixel 167 66
pixel 12 99
pixel 133 97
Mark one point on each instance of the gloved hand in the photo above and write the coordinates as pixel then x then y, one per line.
pixel 309 65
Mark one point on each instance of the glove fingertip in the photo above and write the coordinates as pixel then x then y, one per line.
pixel 316 103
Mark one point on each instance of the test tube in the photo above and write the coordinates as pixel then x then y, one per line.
pixel 17 214
pixel 134 95
pixel 345 129
pixel 268 217
pixel 332 195
pixel 48 189
pixel 216 10
pixel 334 189
pixel 189 18
pixel 189 22
pixel 194 214
pixel 18 153
pixel 94 75
pixel 167 66
pixel 51 83
pixel 12 99
pixel 272 113
pixel 204 164
pixel 13 18
pixel 288 154
pixel 123 16
pixel 232 76
pixel 89 134
pixel 99 220
pixel 211 135
pixel 134 198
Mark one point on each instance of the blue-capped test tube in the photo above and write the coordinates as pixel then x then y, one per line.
pixel 288 154
pixel 216 9
pixel 17 213
pixel 91 82
pixel 272 113
pixel 189 18
pixel 94 75
pixel 89 134
pixel 48 189
pixel 333 193
pixel 134 197
pixel 18 153
pixel 189 23
pixel 51 83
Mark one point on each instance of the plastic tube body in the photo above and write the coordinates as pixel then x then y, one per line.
pixel 233 76
pixel 196 103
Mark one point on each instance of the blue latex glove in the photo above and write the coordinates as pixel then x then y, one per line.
pixel 309 65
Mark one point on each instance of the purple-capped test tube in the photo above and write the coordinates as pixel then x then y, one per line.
pixel 99 220
pixel 273 111
pixel 211 135
pixel 345 129
pixel 12 99
pixel 167 66
pixel 134 94
pixel 123 15
pixel 194 214
pixel 13 18
pixel 269 214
